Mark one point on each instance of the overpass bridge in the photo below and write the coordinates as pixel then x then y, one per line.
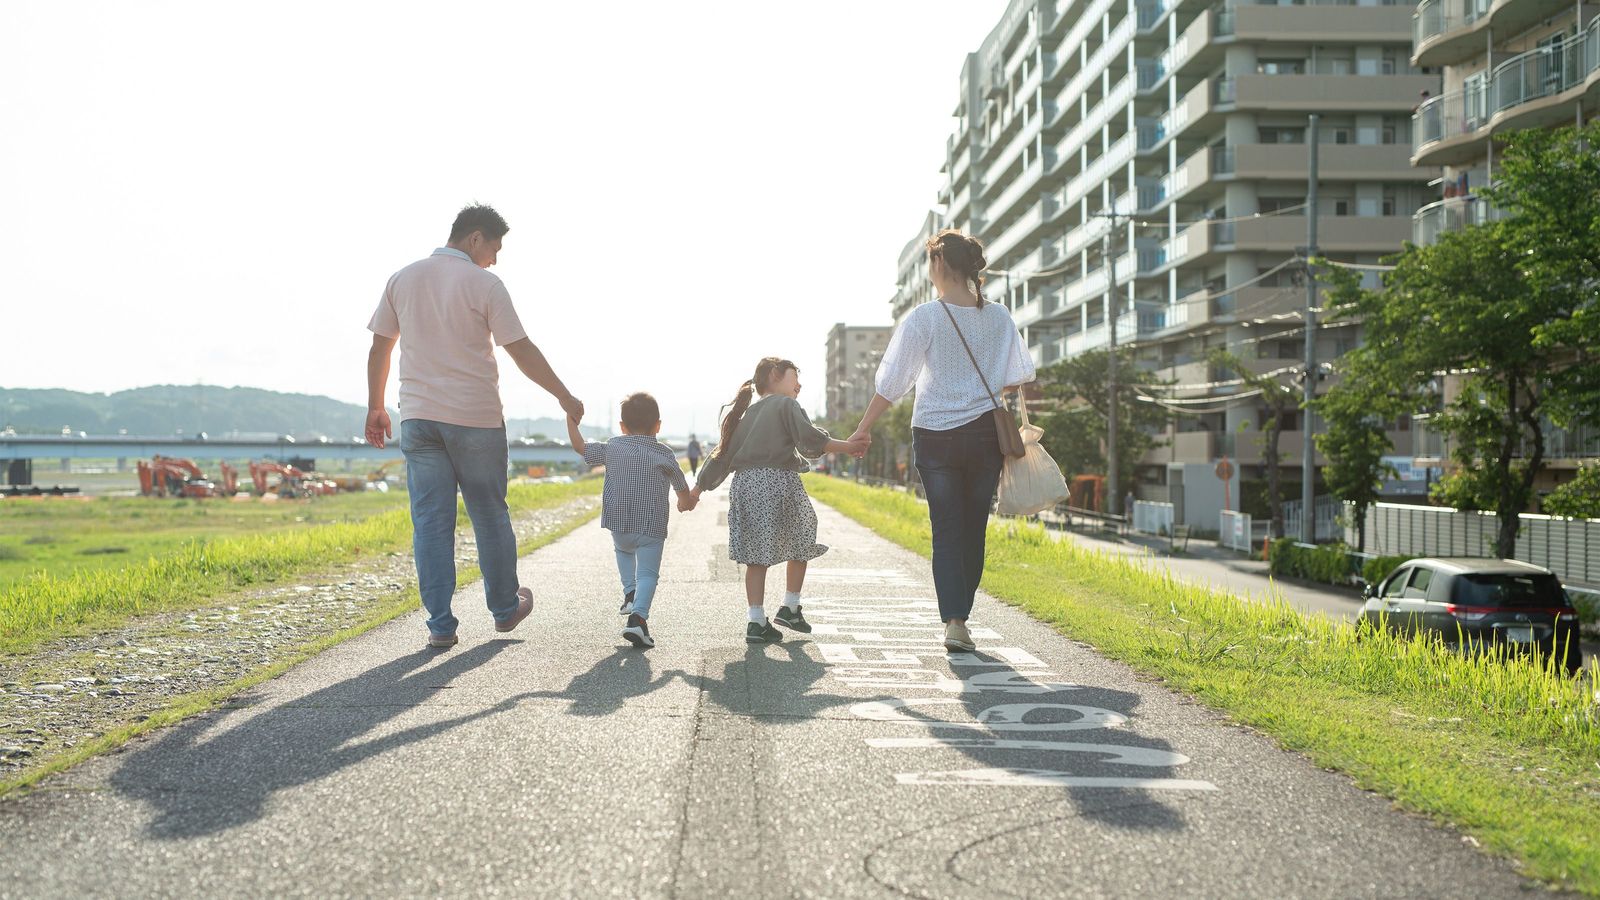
pixel 17 452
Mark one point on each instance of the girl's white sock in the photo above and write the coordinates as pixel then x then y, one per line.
pixel 758 615
pixel 791 599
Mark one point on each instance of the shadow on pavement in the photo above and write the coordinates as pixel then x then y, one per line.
pixel 201 786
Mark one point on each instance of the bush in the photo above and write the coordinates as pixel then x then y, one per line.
pixel 1326 563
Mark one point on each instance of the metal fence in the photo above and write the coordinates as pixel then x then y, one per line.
pixel 1326 511
pixel 1236 531
pixel 1152 517
pixel 1568 547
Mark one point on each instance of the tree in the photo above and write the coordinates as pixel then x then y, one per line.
pixel 1075 431
pixel 1506 308
pixel 1578 498
pixel 1280 400
pixel 1354 440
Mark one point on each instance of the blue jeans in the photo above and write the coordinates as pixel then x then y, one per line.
pixel 639 564
pixel 960 470
pixel 439 459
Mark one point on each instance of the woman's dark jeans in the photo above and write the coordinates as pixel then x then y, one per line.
pixel 960 469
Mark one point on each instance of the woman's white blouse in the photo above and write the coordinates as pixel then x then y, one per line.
pixel 926 353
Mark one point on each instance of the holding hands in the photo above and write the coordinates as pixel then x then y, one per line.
pixel 859 443
pixel 688 500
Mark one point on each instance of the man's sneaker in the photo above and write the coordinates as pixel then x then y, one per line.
pixel 792 619
pixel 637 632
pixel 441 641
pixel 524 606
pixel 763 633
pixel 957 637
pixel 627 605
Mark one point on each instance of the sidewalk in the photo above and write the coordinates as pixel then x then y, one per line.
pixel 860 760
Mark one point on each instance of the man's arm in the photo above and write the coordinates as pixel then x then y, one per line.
pixel 537 368
pixel 379 429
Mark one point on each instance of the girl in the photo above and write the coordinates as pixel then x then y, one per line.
pixel 770 518
pixel 953 433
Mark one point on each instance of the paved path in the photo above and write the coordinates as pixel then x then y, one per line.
pixel 860 761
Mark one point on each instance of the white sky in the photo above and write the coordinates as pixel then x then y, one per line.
pixel 201 192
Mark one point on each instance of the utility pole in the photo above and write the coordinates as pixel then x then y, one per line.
pixel 1113 488
pixel 1308 469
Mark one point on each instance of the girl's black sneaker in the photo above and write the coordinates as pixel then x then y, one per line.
pixel 762 634
pixel 627 605
pixel 792 618
pixel 638 633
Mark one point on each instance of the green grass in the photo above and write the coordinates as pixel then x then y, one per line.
pixel 1505 751
pixel 61 536
pixel 187 705
pixel 183 573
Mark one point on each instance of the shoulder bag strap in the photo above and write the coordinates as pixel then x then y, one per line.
pixel 964 346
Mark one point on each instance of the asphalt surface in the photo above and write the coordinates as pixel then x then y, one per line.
pixel 856 761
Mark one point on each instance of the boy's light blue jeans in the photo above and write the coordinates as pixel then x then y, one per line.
pixel 639 564
pixel 439 459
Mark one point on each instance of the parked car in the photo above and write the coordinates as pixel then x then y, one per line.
pixel 1496 605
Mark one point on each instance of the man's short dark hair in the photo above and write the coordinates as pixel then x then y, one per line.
pixel 640 413
pixel 478 218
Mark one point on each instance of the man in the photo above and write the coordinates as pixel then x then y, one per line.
pixel 694 455
pixel 448 313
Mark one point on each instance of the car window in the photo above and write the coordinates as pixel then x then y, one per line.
pixel 1507 589
pixel 1396 583
pixel 1417 588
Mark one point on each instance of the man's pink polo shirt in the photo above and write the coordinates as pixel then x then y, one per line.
pixel 449 315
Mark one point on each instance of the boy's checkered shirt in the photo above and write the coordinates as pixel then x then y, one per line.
pixel 639 469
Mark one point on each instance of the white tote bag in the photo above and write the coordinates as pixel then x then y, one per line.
pixel 1032 482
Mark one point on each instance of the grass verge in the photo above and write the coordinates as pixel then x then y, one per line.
pixel 190 704
pixel 46 606
pixel 1505 751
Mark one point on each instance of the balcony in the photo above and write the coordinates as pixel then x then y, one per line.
pixel 1534 89
pixel 1347 234
pixel 1449 32
pixel 1330 93
pixel 1335 162
pixel 1187 246
pixel 1330 23
pixel 1450 214
pixel 1195 52
pixel 1017 232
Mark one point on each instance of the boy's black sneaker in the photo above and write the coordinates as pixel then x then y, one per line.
pixel 637 632
pixel 763 633
pixel 627 605
pixel 792 619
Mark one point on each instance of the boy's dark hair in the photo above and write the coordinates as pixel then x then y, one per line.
pixel 478 217
pixel 640 412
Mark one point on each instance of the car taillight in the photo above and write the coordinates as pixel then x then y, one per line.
pixel 1468 613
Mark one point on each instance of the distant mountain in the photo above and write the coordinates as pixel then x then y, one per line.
pixel 218 411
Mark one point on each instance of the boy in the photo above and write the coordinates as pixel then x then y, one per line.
pixel 634 504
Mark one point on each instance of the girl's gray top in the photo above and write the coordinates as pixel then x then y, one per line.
pixel 775 433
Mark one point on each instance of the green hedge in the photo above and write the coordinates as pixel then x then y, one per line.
pixel 1328 563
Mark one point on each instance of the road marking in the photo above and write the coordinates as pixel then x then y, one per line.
pixel 897 637
pixel 1004 681
pixel 1048 778
pixel 891 654
pixel 1001 717
pixel 1118 753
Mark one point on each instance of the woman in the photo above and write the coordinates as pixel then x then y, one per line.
pixel 953 432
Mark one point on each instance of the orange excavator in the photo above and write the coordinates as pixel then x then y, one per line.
pixel 291 482
pixel 167 476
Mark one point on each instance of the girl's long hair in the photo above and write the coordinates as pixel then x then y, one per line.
pixel 768 369
pixel 963 254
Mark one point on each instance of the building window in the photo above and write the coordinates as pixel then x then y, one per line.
pixel 1281 135
pixel 1281 67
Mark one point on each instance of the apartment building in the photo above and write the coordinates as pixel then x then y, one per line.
pixel 852 364
pixel 1507 65
pixel 1187 119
